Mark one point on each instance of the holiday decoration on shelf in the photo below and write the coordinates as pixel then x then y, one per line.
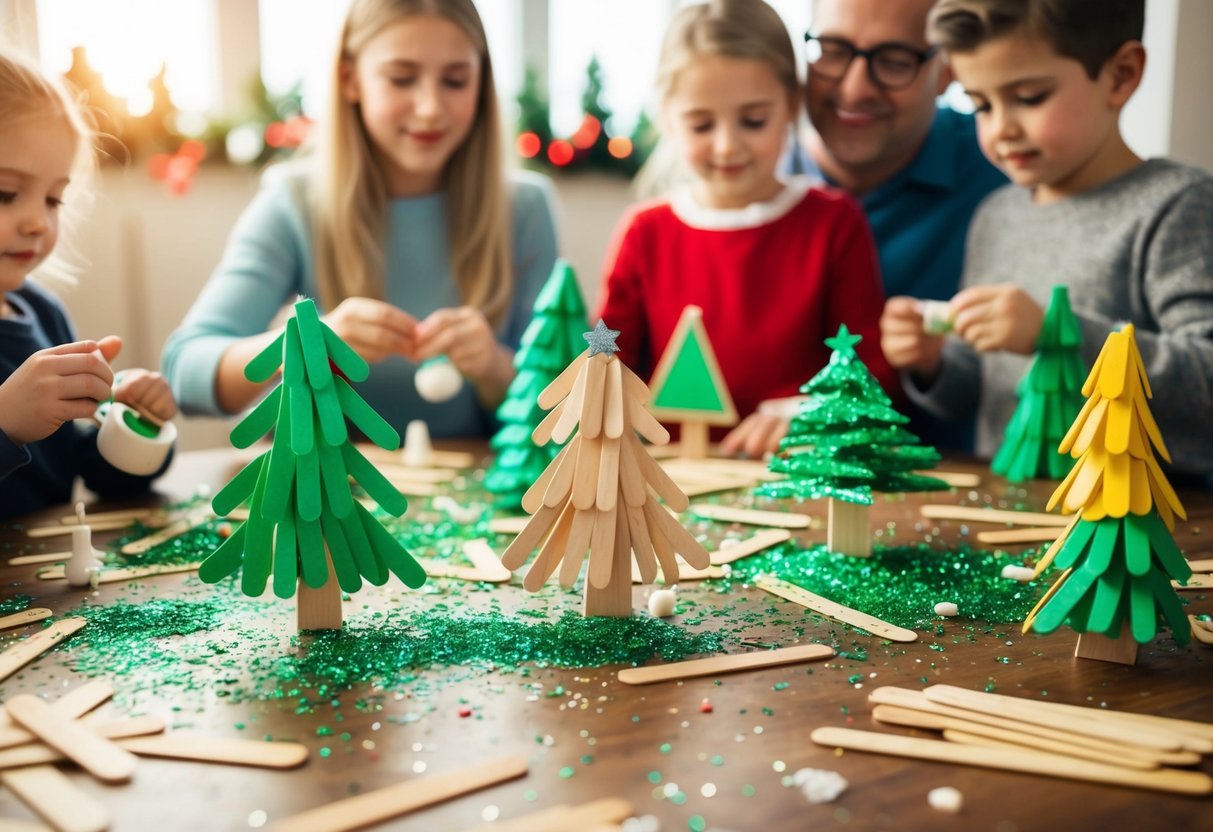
pixel 600 491
pixel 846 442
pixel 688 386
pixel 303 519
pixel 1049 398
pixel 550 343
pixel 1118 553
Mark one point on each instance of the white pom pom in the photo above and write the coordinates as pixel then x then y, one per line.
pixel 1018 573
pixel 437 380
pixel 661 603
pixel 820 785
pixel 946 799
pixel 946 609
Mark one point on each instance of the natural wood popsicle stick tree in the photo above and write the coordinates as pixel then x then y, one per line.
pixel 595 495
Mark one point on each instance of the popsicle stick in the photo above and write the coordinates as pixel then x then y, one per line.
pixel 409 473
pixel 686 574
pixel 1026 760
pixel 402 798
pixel 508 525
pixel 1033 534
pixel 973 514
pixel 763 539
pixel 24 652
pixel 752 517
pixel 893 715
pixel 180 745
pixel 587 816
pixel 96 755
pixel 486 561
pixel 1088 723
pixel 1194 565
pixel 36 753
pixel 72 705
pixel 714 485
pixel 724 664
pixel 1009 741
pixel 46 557
pixel 129 573
pixel 412 487
pixel 56 799
pixel 832 609
pixel 20 619
pixel 1197 581
pixel 956 479
pixel 125 514
pixel 60 529
pixel 15 825
pixel 739 469
pixel 174 529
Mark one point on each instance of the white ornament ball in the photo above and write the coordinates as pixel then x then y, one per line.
pixel 661 603
pixel 946 799
pixel 437 380
pixel 947 609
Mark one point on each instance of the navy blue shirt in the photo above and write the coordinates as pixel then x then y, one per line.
pixel 42 473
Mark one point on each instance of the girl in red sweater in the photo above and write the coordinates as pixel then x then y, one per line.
pixel 775 265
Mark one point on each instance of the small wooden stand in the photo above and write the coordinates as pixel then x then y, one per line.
pixel 693 439
pixel 847 530
pixel 320 608
pixel 614 599
pixel 1122 649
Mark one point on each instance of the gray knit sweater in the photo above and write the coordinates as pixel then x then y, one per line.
pixel 1137 249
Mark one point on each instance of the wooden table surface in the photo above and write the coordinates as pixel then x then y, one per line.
pixel 722 770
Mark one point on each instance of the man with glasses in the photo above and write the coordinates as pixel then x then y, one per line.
pixel 876 132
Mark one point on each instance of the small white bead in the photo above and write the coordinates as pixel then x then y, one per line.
pixel 946 799
pixel 946 609
pixel 1018 573
pixel 661 603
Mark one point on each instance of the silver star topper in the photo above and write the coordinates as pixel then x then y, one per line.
pixel 601 339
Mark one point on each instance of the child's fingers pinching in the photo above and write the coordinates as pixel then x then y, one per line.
pixel 147 392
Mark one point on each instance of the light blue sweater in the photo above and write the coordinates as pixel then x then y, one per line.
pixel 268 262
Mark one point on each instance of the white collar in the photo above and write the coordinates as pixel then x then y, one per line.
pixel 687 209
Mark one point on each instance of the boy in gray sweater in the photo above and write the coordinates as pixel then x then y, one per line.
pixel 1132 239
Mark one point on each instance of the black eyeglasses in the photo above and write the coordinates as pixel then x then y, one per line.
pixel 891 66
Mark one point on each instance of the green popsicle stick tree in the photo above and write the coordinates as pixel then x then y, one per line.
pixel 847 441
pixel 1049 398
pixel 550 343
pixel 305 529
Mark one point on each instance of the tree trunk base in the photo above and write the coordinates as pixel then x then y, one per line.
pixel 693 440
pixel 1122 649
pixel 319 609
pixel 848 531
pixel 614 599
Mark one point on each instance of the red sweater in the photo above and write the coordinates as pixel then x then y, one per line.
pixel 771 292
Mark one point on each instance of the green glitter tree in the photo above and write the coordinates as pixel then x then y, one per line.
pixel 1049 397
pixel 1118 554
pixel 846 441
pixel 551 341
pixel 303 518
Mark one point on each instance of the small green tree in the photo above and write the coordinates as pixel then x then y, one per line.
pixel 303 518
pixel 1049 398
pixel 550 343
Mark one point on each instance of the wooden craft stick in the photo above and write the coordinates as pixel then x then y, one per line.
pixel 93 753
pixel 832 609
pixel 72 705
pixel 1197 581
pixel 61 529
pixel 1089 723
pixel 15 825
pixel 174 529
pixel 763 539
pixel 894 715
pixel 413 488
pixel 129 573
pixel 686 573
pixel 725 664
pixel 486 561
pixel 24 652
pixel 409 473
pixel 1194 565
pixel 1032 534
pixel 445 569
pixel 752 517
pixel 710 485
pixel 587 816
pixel 956 479
pixel 743 469
pixel 180 745
pixel 402 798
pixel 974 514
pixel 1026 760
pixel 508 525
pixel 56 799
pixel 20 619
pixel 47 557
pixel 36 753
pixel 126 515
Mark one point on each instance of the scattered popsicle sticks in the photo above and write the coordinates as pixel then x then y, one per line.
pixel 126 573
pixel 1025 760
pixel 752 517
pixel 508 525
pixel 1031 534
pixel 20 619
pixel 175 529
pixel 95 754
pixel 587 816
pixel 1201 565
pixel 126 515
pixel 1201 631
pixel 486 561
pixel 725 664
pixel 36 753
pixel 181 745
pixel 72 705
pixel 56 799
pixel 402 798
pixel 832 609
pixel 46 557
pixel 1195 581
pixel 974 514
pixel 760 540
pixel 956 479
pixel 24 652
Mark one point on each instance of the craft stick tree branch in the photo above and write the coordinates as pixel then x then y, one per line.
pixel 551 341
pixel 1118 554
pixel 1049 397
pixel 599 493
pixel 303 519
pixel 846 441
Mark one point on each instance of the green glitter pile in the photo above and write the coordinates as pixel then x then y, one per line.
pixel 899 584
pixel 16 604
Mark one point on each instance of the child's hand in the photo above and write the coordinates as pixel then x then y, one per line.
pixel 758 434
pixel 906 345
pixel 374 329
pixel 998 317
pixel 146 392
pixel 464 336
pixel 51 387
